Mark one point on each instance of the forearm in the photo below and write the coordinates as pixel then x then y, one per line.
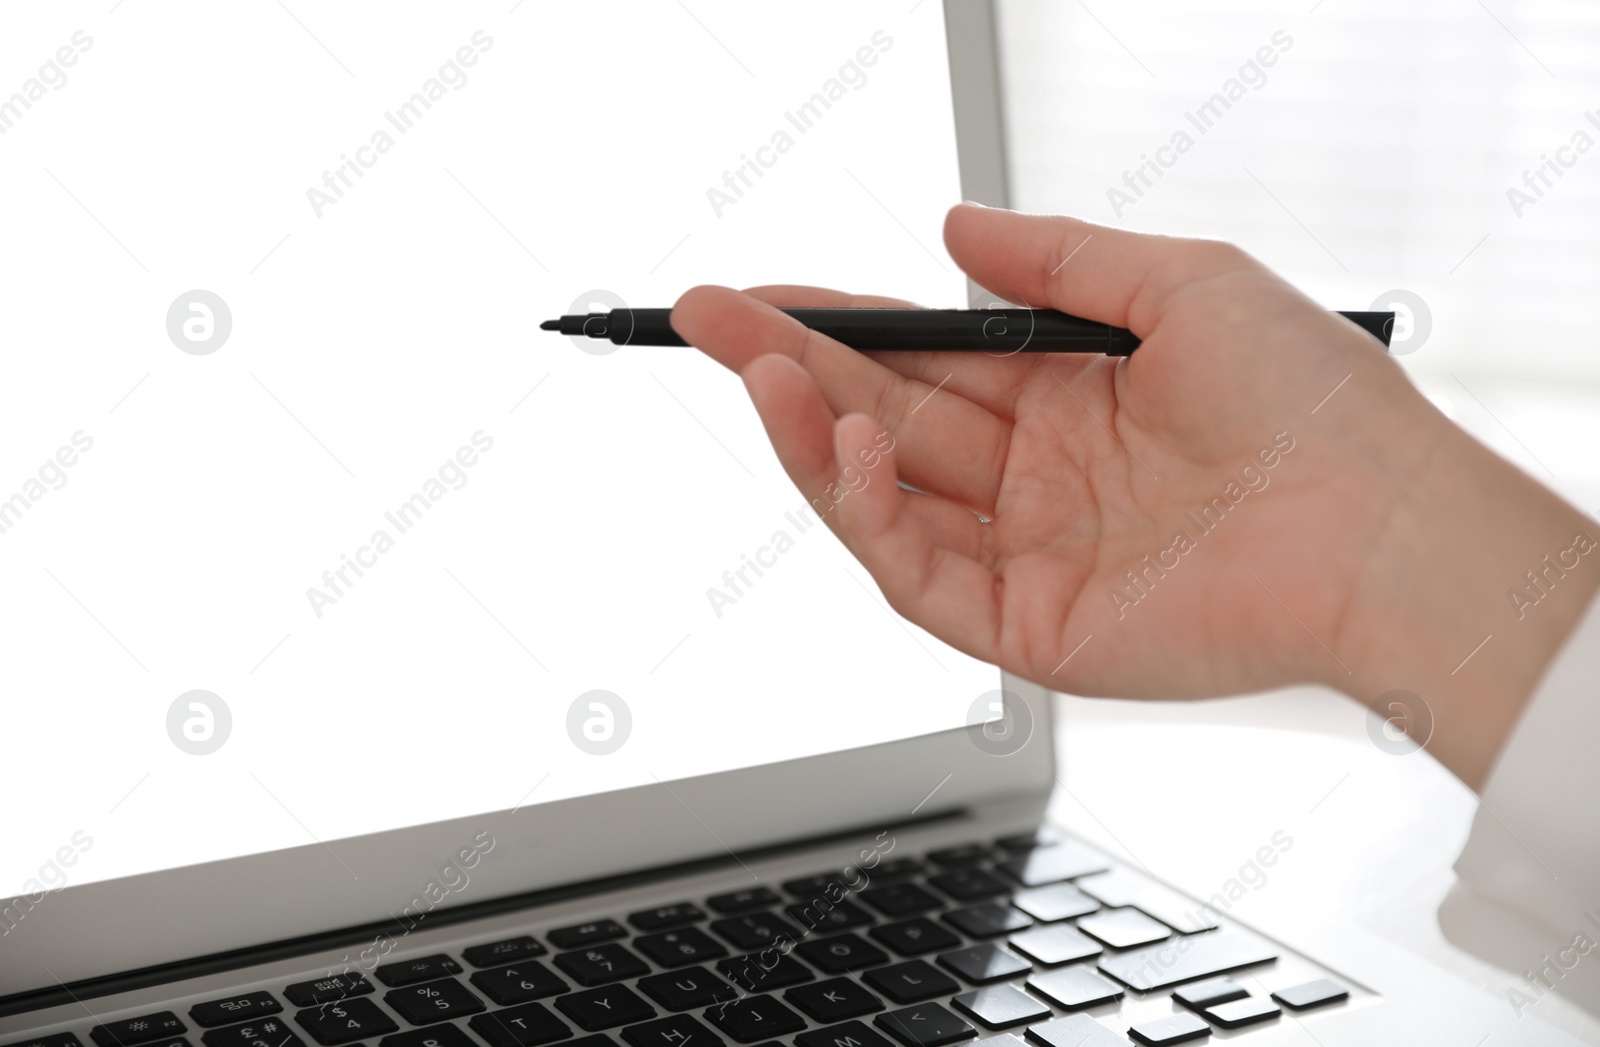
pixel 1479 577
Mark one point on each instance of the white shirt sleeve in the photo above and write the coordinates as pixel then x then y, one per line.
pixel 1535 841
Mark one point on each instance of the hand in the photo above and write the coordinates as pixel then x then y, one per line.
pixel 1246 502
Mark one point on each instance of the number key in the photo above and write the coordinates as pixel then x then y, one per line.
pixel 268 1032
pixel 601 964
pixel 344 1021
pixel 519 984
pixel 433 1001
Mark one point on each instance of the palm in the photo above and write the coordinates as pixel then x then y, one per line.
pixel 1085 471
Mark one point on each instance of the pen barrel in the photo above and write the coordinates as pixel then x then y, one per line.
pixel 995 331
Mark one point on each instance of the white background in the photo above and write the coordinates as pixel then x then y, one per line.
pixel 371 342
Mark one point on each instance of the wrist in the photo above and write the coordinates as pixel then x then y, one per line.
pixel 1477 578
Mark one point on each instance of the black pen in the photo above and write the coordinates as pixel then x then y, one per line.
pixel 919 330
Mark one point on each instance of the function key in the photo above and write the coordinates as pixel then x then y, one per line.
pixel 1063 861
pixel 509 951
pixel 666 917
pixel 326 990
pixel 816 884
pixel 422 969
pixel 143 1029
pixel 966 854
pixel 234 1009
pixel 743 901
pixel 1040 837
pixel 268 1032
pixel 580 934
pixel 433 1001
pixel 894 869
pixel 1312 994
pixel 345 1021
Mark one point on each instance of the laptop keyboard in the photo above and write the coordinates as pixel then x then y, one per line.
pixel 1004 941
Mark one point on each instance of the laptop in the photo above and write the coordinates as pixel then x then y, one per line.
pixel 394 684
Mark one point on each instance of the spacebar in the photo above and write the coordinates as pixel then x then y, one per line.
pixel 1185 959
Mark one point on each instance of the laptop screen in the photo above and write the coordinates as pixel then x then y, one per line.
pixel 307 531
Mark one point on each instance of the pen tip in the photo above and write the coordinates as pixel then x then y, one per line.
pixel 550 325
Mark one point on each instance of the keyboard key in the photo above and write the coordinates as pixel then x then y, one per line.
pixel 925 1025
pixel 1044 836
pixel 1124 928
pixel 911 982
pixel 840 953
pixel 895 868
pixel 834 1000
pixel 519 984
pixel 598 1039
pixel 755 1018
pixel 421 969
pixel 509 951
pixel 526 1025
pixel 850 1034
pixel 265 1032
pixel 1124 887
pixel 433 1001
pixel 914 937
pixel 691 987
pixel 841 916
pixel 129 1031
pixel 987 920
pixel 1075 1030
pixel 968 885
pixel 1319 993
pixel 437 1036
pixel 1179 1028
pixel 234 1009
pixel 1239 1013
pixel 603 963
pixel 764 971
pixel 743 901
pixel 1074 988
pixel 666 917
pixel 592 933
pixel 605 1007
pixel 1063 861
pixel 1055 944
pixel 1209 993
pixel 816 885
pixel 672 1031
pixel 1203 955
pixel 325 990
pixel 981 964
pixel 756 930
pixel 345 1021
pixel 1003 1039
pixel 966 854
pixel 900 899
pixel 1001 1006
pixel 1056 901
pixel 676 948
pixel 63 1039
